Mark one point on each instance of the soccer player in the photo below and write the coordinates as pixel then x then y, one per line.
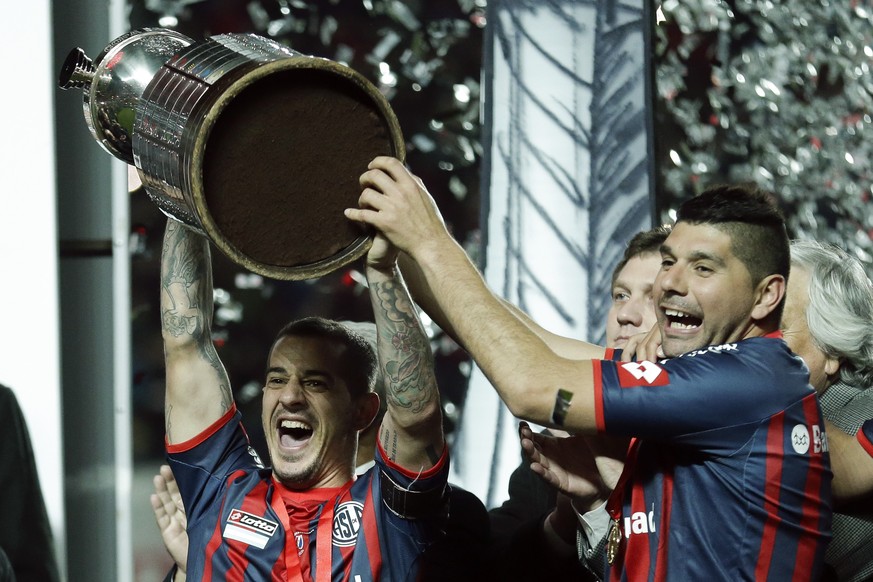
pixel 728 477
pixel 306 518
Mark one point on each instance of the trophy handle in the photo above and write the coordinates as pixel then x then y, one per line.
pixel 77 71
pixel 113 83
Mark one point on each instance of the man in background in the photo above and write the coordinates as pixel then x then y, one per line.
pixel 25 533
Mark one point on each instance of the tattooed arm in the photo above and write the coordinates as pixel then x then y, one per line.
pixel 198 389
pixel 411 433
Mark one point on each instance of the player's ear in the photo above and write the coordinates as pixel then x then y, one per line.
pixel 832 366
pixel 367 408
pixel 768 295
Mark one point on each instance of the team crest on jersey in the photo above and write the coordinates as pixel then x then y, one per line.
pixel 249 528
pixel 347 523
pixel 643 373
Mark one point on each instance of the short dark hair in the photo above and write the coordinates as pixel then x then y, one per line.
pixel 755 225
pixel 358 363
pixel 642 243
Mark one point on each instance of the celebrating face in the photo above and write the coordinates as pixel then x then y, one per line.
pixel 309 417
pixel 703 292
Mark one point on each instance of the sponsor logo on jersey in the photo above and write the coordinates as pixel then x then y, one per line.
pixel 254 455
pixel 347 523
pixel 643 373
pixel 710 350
pixel 639 522
pixel 801 440
pixel 248 528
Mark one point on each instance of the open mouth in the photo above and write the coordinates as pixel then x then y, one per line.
pixel 294 433
pixel 679 320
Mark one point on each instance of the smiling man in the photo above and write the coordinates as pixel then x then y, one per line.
pixel 728 477
pixel 307 518
pixel 632 310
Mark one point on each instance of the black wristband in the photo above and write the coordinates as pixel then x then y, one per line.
pixel 410 504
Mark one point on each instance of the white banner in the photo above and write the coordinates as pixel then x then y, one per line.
pixel 567 177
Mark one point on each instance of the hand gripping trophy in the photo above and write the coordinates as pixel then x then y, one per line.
pixel 252 144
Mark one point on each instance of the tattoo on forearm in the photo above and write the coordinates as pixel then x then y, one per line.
pixel 409 377
pixel 168 423
pixel 186 298
pixel 385 437
pixel 389 437
pixel 562 405
pixel 185 280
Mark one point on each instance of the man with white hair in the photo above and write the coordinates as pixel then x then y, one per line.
pixel 828 321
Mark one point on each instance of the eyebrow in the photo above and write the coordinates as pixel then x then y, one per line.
pixel 307 373
pixel 695 256
pixel 624 284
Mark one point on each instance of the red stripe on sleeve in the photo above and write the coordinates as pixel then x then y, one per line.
pixel 812 502
pixel 210 430
pixel 864 438
pixel 775 458
pixel 409 472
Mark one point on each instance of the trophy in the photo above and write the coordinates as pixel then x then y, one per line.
pixel 252 144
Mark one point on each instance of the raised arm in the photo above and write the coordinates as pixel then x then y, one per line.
pixel 411 433
pixel 423 295
pixel 535 383
pixel 198 390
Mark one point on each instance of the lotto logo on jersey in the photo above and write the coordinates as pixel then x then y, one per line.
pixel 248 528
pixel 347 523
pixel 643 373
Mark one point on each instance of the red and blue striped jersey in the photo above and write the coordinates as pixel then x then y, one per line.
pixel 731 476
pixel 865 436
pixel 244 525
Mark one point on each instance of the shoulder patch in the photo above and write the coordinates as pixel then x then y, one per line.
pixel 645 373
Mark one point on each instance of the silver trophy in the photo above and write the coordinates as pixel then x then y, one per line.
pixel 252 144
